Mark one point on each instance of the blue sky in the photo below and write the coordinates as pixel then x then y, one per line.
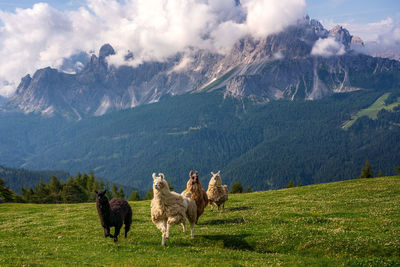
pixel 10 5
pixel 358 11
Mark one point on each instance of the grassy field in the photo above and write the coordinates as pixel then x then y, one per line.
pixel 350 223
pixel 373 110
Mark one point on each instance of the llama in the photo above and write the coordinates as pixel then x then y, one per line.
pixel 217 193
pixel 196 192
pixel 170 208
pixel 113 213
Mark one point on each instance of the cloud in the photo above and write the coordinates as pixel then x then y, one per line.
pixel 328 47
pixel 265 17
pixel 387 41
pixel 381 38
pixel 152 30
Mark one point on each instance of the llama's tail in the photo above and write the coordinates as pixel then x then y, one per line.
pixel 128 220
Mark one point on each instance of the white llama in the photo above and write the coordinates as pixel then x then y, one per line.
pixel 170 208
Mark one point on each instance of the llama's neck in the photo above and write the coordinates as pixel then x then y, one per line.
pixel 104 209
pixel 162 196
pixel 161 193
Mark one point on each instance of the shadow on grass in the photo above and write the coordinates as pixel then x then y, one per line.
pixel 224 221
pixel 238 208
pixel 231 241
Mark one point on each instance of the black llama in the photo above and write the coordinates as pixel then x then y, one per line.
pixel 113 213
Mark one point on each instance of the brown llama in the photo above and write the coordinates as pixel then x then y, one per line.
pixel 196 192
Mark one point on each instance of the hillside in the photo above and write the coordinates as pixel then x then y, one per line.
pixel 346 223
pixel 15 178
pixel 263 146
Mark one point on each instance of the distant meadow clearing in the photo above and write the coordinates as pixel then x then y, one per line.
pixel 350 223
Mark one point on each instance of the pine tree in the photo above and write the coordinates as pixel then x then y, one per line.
pixel 41 193
pixel 114 191
pixel 6 194
pixel 236 188
pixel 366 171
pixel 149 194
pixel 171 187
pixel 248 190
pixel 27 194
pixel 121 193
pixel 73 193
pixel 397 169
pixel 55 188
pixel 290 184
pixel 134 196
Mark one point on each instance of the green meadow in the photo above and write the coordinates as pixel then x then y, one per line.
pixel 349 223
pixel 372 111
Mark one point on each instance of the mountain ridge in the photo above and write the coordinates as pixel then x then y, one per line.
pixel 279 66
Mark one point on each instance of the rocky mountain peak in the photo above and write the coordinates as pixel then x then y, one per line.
pixel 357 40
pixel 106 50
pixel 342 35
pixel 279 66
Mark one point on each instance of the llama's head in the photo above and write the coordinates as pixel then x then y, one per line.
pixel 159 182
pixel 215 179
pixel 101 197
pixel 193 179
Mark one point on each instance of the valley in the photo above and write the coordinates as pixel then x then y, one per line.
pixel 262 145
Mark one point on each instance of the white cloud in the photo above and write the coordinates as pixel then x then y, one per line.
pixel 380 38
pixel 265 17
pixel 42 36
pixel 387 41
pixel 328 47
pixel 182 65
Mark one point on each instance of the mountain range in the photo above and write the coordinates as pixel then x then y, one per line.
pixel 281 66
pixel 266 112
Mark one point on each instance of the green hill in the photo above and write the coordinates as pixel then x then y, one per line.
pixel 350 223
pixel 262 145
pixel 373 110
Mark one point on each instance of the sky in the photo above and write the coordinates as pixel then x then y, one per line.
pixel 36 34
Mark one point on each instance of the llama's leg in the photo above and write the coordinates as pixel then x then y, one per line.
pixel 107 232
pixel 184 226
pixel 127 222
pixel 127 226
pixel 167 232
pixel 163 231
pixel 191 230
pixel 174 220
pixel 116 232
pixel 163 240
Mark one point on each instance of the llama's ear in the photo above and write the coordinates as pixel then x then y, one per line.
pixel 218 172
pixel 197 172
pixel 161 175
pixel 104 192
pixel 96 192
pixel 154 176
pixel 213 174
pixel 190 174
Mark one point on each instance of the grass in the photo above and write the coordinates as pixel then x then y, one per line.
pixel 350 223
pixel 372 111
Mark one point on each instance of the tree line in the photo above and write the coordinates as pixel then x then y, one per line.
pixel 78 189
